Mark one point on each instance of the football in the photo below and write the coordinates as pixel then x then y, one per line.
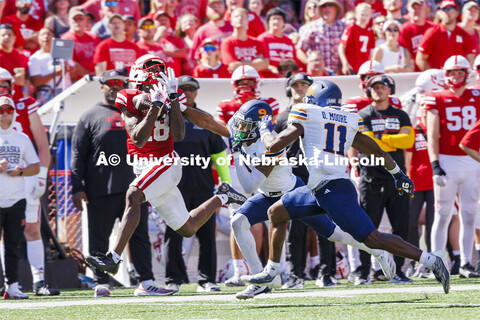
pixel 142 103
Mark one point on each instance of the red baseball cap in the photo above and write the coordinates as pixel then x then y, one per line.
pixel 209 41
pixel 448 3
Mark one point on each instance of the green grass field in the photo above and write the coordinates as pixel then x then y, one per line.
pixel 423 299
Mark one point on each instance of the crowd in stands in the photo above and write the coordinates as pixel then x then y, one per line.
pixel 210 38
pixel 275 38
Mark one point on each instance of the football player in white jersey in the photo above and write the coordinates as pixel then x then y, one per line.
pixel 273 179
pixel 326 133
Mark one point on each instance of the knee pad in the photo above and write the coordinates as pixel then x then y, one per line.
pixel 32 212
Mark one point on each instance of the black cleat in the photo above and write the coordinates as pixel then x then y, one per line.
pixel 40 288
pixel 104 263
pixel 233 195
pixel 440 269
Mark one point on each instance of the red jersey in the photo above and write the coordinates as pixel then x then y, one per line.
pixel 277 49
pixel 209 30
pixel 411 35
pixel 26 28
pixel 255 24
pixel 439 44
pixel 10 61
pixel 356 104
pixel 204 71
pixel 24 108
pixel 472 137
pixel 420 168
pixel 234 49
pixel 118 55
pixel 84 49
pixel 457 116
pixel 359 42
pixel 160 142
pixel 227 108
pixel 196 7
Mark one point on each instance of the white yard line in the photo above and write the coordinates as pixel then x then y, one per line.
pixel 228 298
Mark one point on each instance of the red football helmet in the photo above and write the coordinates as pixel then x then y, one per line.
pixel 456 62
pixel 146 67
pixel 245 93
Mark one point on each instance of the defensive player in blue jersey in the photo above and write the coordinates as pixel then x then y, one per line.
pixel 326 133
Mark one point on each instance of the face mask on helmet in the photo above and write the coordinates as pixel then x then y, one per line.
pixel 367 70
pixel 456 81
pixel 246 121
pixel 146 71
pixel 245 92
pixel 455 63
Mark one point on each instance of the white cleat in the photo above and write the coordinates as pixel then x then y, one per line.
pixel 387 263
pixel 152 290
pixel 235 281
pixel 259 278
pixel 252 291
pixel 440 269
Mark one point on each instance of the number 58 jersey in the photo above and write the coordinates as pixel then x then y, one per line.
pixel 457 115
pixel 328 134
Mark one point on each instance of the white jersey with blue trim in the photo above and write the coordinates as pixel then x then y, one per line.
pixel 281 178
pixel 328 134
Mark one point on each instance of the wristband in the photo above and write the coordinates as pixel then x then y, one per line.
pixel 20 173
pixel 395 170
pixel 435 164
pixel 182 107
pixel 173 96
pixel 43 172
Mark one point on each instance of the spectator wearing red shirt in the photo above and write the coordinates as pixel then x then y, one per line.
pixel 411 32
pixel 173 46
pixel 444 40
pixel 255 24
pixel 241 49
pixel 377 7
pixel 27 25
pixel 210 64
pixel 217 28
pixel 85 42
pixel 278 46
pixel 196 7
pixel 147 43
pixel 12 59
pixel 116 52
pixel 358 41
pixel 37 11
pixel 470 14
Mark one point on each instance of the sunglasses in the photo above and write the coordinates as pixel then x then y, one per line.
pixel 209 48
pixel 6 110
pixel 112 83
pixel 188 89
pixel 448 9
pixel 111 3
pixel 392 29
pixel 147 26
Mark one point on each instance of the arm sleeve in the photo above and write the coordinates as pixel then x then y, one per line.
pixel 385 147
pixel 80 150
pixel 250 181
pixel 400 141
pixel 223 170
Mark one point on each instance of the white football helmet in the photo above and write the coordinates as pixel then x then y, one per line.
pixel 245 93
pixel 368 69
pixel 6 76
pixel 430 80
pixel 456 62
pixel 147 66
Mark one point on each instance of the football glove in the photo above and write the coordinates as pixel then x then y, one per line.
pixel 403 183
pixel 439 175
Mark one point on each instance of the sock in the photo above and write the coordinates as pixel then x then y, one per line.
pixel 456 252
pixel 239 266
pixel 147 283
pixel 272 268
pixel 223 198
pixel 131 268
pixel 314 261
pixel 427 259
pixel 477 247
pixel 36 258
pixel 116 258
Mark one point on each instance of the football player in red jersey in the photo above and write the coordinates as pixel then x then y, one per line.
pixel 28 122
pixel 245 80
pixel 367 70
pixel 151 133
pixel 450 114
